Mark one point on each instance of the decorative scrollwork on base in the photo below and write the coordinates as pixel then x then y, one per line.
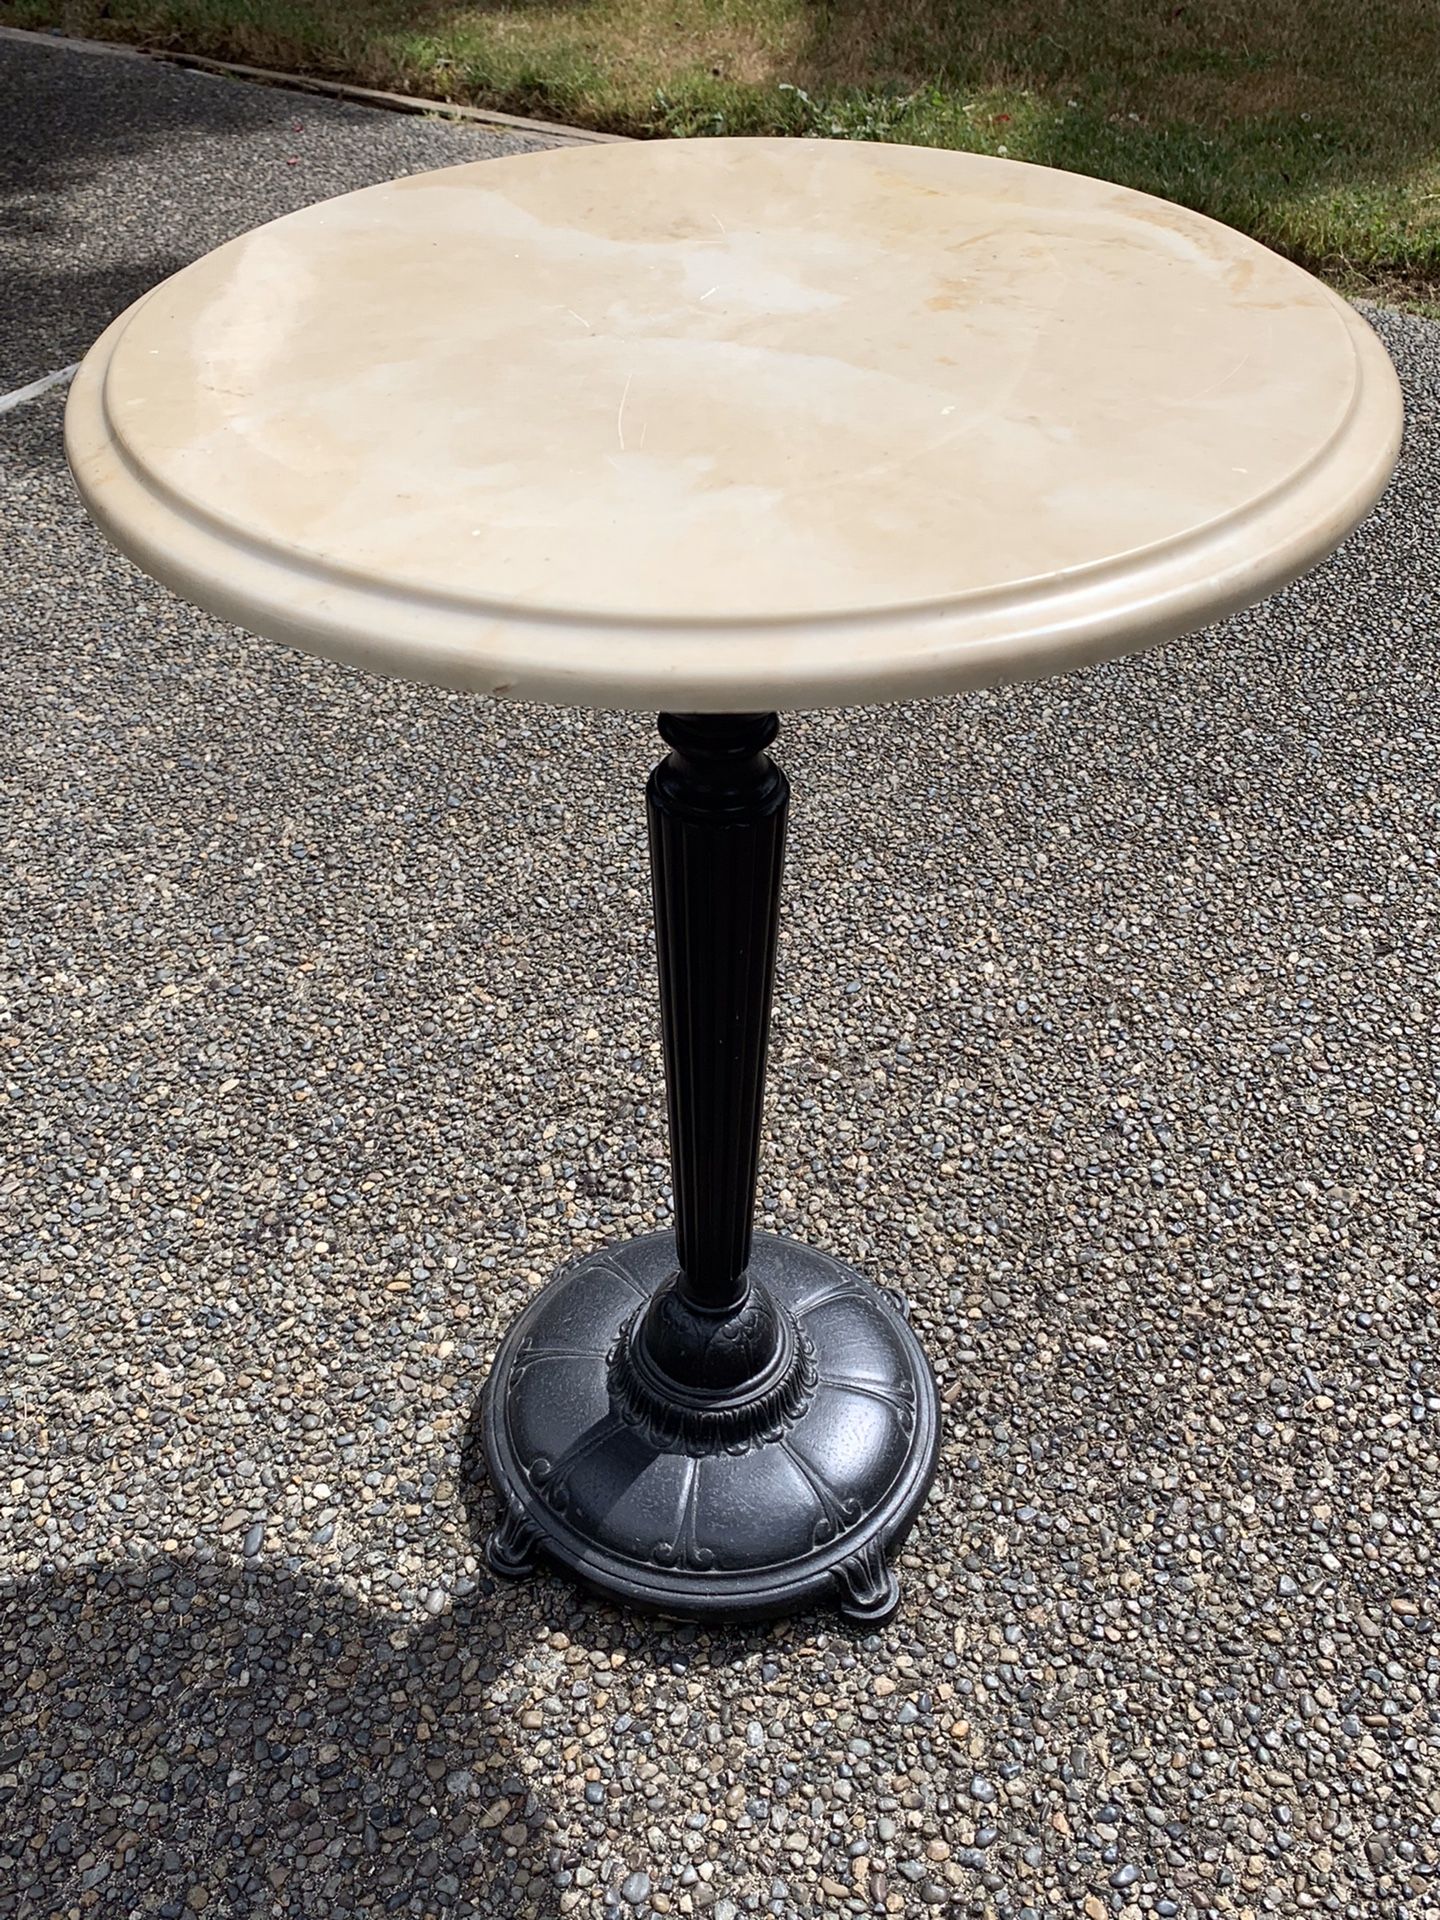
pixel 685 1549
pixel 726 1423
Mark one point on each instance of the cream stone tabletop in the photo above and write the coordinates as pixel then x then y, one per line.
pixel 733 424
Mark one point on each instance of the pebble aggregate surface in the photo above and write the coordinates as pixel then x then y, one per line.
pixel 1105 1027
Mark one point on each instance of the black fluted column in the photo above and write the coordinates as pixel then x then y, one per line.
pixel 717 807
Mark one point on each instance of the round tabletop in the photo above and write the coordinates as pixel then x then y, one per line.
pixel 733 424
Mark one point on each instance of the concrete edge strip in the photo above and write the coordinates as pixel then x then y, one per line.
pixel 374 97
pixel 72 43
pixel 9 401
pixel 307 83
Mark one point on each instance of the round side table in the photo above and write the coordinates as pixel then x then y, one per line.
pixel 718 428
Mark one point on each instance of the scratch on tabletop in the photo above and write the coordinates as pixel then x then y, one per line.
pixel 1224 380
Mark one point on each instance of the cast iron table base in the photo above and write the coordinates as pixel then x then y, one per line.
pixel 825 1466
pixel 711 1424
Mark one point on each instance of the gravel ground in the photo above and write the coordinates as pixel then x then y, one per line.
pixel 1105 1028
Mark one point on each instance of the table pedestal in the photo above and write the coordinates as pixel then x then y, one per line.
pixel 713 1424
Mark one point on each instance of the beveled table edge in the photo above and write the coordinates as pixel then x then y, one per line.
pixel 1025 630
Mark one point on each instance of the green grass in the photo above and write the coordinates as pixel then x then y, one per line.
pixel 1312 124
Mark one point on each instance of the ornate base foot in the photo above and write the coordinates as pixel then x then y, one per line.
pixel 759 1504
pixel 512 1548
pixel 869 1593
